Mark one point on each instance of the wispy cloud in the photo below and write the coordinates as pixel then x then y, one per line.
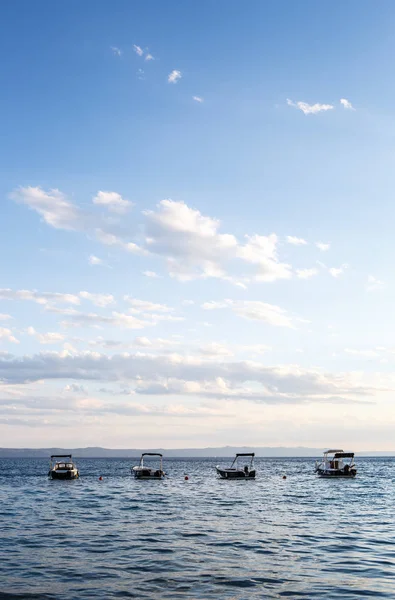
pixel 198 99
pixel 306 273
pixel 6 334
pixel 335 272
pixel 116 51
pixel 296 241
pixel 43 298
pixel 346 104
pixel 363 353
pixel 46 338
pixel 102 300
pixel 138 50
pixel 175 374
pixel 95 261
pixel 149 57
pixel 323 247
pixel 254 310
pixel 146 305
pixel 151 274
pixel 310 109
pixel 374 284
pixel 112 201
pixel 174 76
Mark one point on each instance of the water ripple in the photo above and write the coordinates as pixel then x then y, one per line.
pixel 199 539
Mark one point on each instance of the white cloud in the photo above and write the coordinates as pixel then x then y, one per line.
pixel 310 109
pixel 215 349
pixel 116 319
pixel 53 206
pixel 138 50
pixel 116 51
pixel 323 247
pixel 46 338
pixel 156 343
pixel 43 298
pixel 296 241
pixel 151 274
pixel 362 353
pixel 176 374
pixel 4 317
pixel 142 341
pixel 113 201
pixel 147 306
pixel 7 335
pixel 74 388
pixel 58 212
pixel 306 273
pixel 335 272
pixel 95 261
pixel 189 241
pixel 346 104
pixel 174 76
pixel 149 57
pixel 109 239
pixel 198 99
pixel 262 251
pixel 156 318
pixel 255 311
pixel 374 284
pixel 102 300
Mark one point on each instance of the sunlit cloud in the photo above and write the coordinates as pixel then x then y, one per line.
pixel 174 76
pixel 310 109
pixel 346 104
pixel 138 50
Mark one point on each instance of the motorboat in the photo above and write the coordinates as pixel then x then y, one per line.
pixel 62 466
pixel 336 463
pixel 236 472
pixel 141 471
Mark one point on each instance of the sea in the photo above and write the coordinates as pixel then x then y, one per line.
pixel 200 538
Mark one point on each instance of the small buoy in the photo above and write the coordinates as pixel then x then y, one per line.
pixel 186 477
pixel 100 478
pixel 284 476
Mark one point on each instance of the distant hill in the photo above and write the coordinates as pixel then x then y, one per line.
pixel 226 451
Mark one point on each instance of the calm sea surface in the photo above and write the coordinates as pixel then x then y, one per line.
pixel 203 538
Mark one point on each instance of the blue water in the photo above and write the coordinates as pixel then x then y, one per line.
pixel 302 537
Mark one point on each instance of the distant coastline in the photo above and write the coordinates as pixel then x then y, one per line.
pixel 220 452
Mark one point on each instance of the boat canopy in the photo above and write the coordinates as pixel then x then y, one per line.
pixel 61 456
pixel 344 455
pixel 152 454
pixel 333 451
pixel 245 454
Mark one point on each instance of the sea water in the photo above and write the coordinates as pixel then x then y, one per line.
pixel 299 537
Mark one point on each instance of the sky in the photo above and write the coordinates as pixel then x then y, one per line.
pixel 196 226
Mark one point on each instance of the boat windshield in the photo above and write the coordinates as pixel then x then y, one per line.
pixel 246 460
pixel 154 461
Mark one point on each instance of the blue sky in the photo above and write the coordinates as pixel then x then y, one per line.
pixel 197 224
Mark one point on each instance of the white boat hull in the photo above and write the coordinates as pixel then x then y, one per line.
pixel 63 474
